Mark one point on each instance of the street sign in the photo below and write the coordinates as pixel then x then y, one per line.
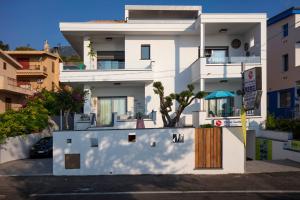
pixel 252 88
pixel 227 122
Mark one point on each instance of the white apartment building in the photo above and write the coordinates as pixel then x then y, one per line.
pixel 176 45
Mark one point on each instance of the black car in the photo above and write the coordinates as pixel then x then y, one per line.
pixel 43 148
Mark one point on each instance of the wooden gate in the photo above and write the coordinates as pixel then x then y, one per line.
pixel 208 148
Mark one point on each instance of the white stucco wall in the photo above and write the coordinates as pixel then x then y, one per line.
pixel 16 148
pixel 172 56
pixel 115 155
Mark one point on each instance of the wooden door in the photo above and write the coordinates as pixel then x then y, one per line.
pixel 208 148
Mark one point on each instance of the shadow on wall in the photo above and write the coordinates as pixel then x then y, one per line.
pixel 153 152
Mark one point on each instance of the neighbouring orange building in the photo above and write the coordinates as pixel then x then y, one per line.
pixel 11 95
pixel 40 69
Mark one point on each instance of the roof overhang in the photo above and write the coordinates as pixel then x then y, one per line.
pixel 75 32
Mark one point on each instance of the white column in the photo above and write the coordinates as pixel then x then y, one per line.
pixel 87 103
pixel 202 40
pixel 90 63
pixel 202 88
pixel 263 32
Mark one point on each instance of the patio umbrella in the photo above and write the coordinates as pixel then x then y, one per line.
pixel 219 94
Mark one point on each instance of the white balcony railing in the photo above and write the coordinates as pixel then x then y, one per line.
pixel 225 67
pixel 233 60
pixel 128 73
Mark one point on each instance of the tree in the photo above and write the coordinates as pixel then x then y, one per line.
pixel 184 99
pixel 70 100
pixel 4 47
pixel 25 48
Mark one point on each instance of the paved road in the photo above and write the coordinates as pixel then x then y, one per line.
pixel 284 185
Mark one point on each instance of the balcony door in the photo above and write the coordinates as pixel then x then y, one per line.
pixel 107 106
pixel 216 55
pixel 24 62
pixel 110 60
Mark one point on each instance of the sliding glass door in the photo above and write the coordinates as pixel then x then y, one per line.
pixel 107 106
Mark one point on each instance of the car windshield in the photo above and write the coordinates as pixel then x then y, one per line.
pixel 45 141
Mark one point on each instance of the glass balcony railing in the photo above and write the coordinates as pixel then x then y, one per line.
pixel 232 60
pixel 110 65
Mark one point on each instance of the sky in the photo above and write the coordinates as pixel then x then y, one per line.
pixel 31 22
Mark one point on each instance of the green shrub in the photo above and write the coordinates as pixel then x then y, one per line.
pixel 206 126
pixel 33 118
pixel 271 122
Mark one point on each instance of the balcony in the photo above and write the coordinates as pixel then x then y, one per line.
pixel 10 85
pixel 222 67
pixel 36 71
pixel 232 60
pixel 107 71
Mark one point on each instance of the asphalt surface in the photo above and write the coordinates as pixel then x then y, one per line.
pixel 283 185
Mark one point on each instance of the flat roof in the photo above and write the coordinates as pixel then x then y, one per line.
pixel 284 14
pixel 107 21
pixel 163 7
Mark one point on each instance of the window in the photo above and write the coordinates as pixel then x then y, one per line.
pixel 285 30
pixel 4 65
pixel 285 62
pixel 216 55
pixel 53 67
pixel 284 99
pixel 7 104
pixel 53 86
pixel 145 52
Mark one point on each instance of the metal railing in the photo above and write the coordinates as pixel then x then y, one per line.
pixel 12 82
pixel 233 60
pixel 37 67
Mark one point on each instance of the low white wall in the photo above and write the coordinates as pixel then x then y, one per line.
pixel 115 155
pixel 18 147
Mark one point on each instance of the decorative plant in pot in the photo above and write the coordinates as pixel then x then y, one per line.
pixel 139 120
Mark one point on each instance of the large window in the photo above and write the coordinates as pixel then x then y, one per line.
pixel 110 60
pixel 145 52
pixel 284 99
pixel 285 30
pixel 285 62
pixel 109 105
pixel 221 107
pixel 216 55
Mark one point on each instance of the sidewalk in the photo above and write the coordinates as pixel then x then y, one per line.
pixel 27 167
pixel 40 167
pixel 270 166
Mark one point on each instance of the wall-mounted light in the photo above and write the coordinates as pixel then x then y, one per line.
pixel 223 81
pixel 223 30
pixel 108 38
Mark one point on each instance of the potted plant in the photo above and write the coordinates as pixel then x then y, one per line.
pixel 139 120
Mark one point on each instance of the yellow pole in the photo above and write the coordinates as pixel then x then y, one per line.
pixel 244 125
